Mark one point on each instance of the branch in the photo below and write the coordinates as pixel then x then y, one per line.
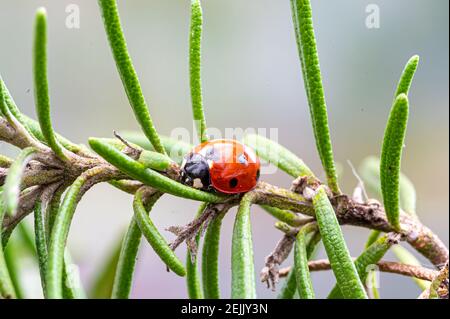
pixel 384 266
pixel 27 200
pixel 370 215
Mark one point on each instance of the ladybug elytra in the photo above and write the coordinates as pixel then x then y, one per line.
pixel 226 166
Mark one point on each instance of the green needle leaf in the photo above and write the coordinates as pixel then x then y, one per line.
pixel 127 259
pixel 11 190
pixel 58 237
pixel 128 75
pixel 4 109
pixel 407 76
pixel 6 284
pixel 14 262
pixel 41 243
pixel 370 173
pixel 373 236
pixel 104 281
pixel 42 98
pixel 370 256
pixel 277 155
pixel 242 266
pixel 176 149
pixel 289 287
pixel 72 287
pixel 156 161
pixel 306 42
pixel 340 260
pixel 285 216
pixel 195 42
pixel 391 154
pixel 148 176
pixel 154 238
pixel 31 125
pixel 149 159
pixel 192 276
pixel 370 168
pixel 210 259
pixel 302 275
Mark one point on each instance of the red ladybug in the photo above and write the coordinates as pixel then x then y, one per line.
pixel 226 166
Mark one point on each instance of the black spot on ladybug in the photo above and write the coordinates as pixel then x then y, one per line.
pixel 233 182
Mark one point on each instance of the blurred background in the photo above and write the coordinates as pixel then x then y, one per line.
pixel 251 78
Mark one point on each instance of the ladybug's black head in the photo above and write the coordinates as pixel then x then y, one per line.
pixel 195 171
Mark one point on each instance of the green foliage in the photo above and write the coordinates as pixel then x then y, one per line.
pixel 128 75
pixel 306 42
pixel 370 256
pixel 194 287
pixel 344 270
pixel 277 155
pixel 58 237
pixel 370 173
pixel 210 259
pixel 156 161
pixel 11 189
pixel 6 284
pixel 41 243
pixel 176 149
pixel 154 238
pixel 41 84
pixel 195 39
pixel 147 165
pixel 289 287
pixel 407 76
pixel 391 154
pixel 103 283
pixel 12 259
pixel 242 267
pixel 33 127
pixel 303 278
pixel 148 176
pixel 285 216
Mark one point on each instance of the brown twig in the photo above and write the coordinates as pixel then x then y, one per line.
pixel 188 232
pixel 27 200
pixel 269 274
pixel 369 215
pixel 384 266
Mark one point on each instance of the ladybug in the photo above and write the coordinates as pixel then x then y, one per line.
pixel 226 166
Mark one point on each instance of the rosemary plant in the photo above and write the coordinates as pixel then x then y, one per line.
pixel 51 174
